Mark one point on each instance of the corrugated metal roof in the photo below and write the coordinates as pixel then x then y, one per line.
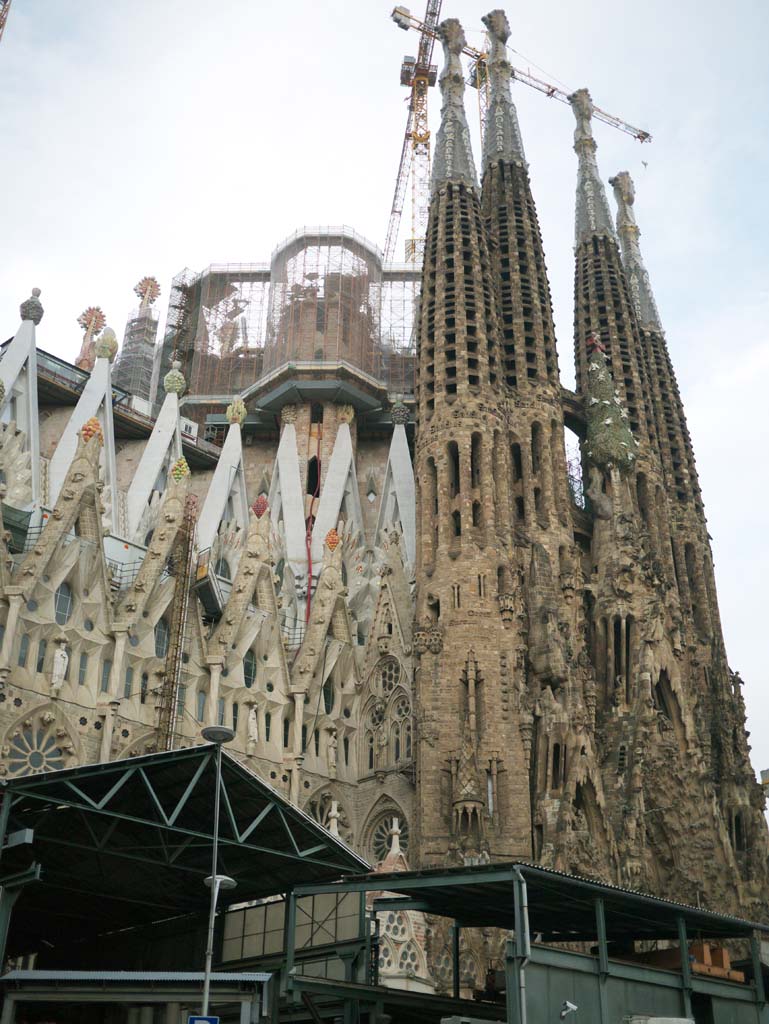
pixel 126 977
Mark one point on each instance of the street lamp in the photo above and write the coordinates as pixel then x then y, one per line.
pixel 218 734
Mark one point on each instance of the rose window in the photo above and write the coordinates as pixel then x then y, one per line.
pixel 34 749
pixel 468 970
pixel 403 707
pixel 389 675
pixel 381 840
pixel 396 926
pixel 442 970
pixel 409 959
pixel 385 956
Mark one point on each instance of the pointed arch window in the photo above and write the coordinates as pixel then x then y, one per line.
pixel 106 672
pixel 267 726
pixel 328 695
pixel 162 635
pixel 82 669
pixel 128 681
pixel 235 716
pixel 201 705
pixel 369 751
pixel 222 569
pixel 24 651
pixel 42 647
pixel 62 605
pixel 249 669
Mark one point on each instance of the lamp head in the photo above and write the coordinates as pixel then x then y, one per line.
pixel 217 734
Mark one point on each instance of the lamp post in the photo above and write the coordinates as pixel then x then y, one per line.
pixel 218 734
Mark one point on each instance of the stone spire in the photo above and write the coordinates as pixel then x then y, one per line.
pixel 636 272
pixel 592 215
pixel 502 139
pixel 453 161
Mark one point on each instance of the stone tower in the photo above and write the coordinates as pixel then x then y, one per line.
pixel 570 672
pixel 473 801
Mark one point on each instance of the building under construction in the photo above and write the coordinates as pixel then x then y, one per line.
pixel 348 533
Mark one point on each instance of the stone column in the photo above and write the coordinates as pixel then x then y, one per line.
pixel 108 729
pixel 120 631
pixel 215 669
pixel 15 597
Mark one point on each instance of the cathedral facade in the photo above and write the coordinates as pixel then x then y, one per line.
pixel 418 631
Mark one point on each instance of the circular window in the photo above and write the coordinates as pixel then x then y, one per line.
pixel 32 605
pixel 403 707
pixel 396 926
pixel 389 675
pixel 35 749
pixel 133 640
pixel 381 838
pixel 88 626
pixel 385 957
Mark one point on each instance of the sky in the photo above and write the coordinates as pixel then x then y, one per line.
pixel 148 136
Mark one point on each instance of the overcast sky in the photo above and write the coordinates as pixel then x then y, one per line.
pixel 142 137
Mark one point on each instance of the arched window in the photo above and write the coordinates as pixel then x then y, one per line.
pixel 201 706
pixel 128 682
pixel 106 672
pixel 286 729
pixel 82 669
pixel 144 688
pixel 395 742
pixel 62 606
pixel 162 633
pixel 370 751
pixel 42 647
pixel 328 695
pixel 220 711
pixel 267 725
pixel 249 668
pixel 23 650
pixel 222 568
pixel 558 766
pixel 235 713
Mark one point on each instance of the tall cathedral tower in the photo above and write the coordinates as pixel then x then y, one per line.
pixel 473 792
pixel 571 671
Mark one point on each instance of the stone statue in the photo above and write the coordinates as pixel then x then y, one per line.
pixel 253 729
pixel 60 663
pixel 333 743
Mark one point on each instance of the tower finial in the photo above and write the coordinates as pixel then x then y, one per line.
pixel 592 215
pixel 453 151
pixel 629 233
pixel 502 138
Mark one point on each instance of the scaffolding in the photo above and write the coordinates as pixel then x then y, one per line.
pixel 133 367
pixel 324 298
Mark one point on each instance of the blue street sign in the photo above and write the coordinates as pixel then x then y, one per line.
pixel 202 1020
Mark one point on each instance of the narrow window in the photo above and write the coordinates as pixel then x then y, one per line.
pixel 41 649
pixel 201 708
pixel 313 475
pixel 304 738
pixel 23 651
pixel 481 585
pixel 62 606
pixel 396 742
pixel 475 460
pixel 515 452
pixel 144 688
pixel 220 711
pixel 82 669
pixel 222 569
pixel 328 695
pixel 453 458
pixel 128 682
pixel 490 793
pixel 536 447
pixel 556 784
pixel 370 751
pixel 267 725
pixel 161 638
pixel 249 668
pixel 106 672
pixel 456 520
pixel 346 749
pixel 520 514
pixel 456 595
pixel 316 739
pixel 476 513
pixel 285 732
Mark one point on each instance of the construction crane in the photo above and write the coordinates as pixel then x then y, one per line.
pixel 479 79
pixel 5 6
pixel 168 706
pixel 417 74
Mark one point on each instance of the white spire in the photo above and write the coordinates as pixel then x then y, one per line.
pixel 502 138
pixel 592 215
pixel 629 233
pixel 453 160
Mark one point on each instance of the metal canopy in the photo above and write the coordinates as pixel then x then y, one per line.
pixel 561 907
pixel 129 842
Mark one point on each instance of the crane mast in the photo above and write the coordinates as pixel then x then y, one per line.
pixel 417 74
pixel 5 6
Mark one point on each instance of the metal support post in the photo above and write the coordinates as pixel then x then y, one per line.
pixel 511 984
pixel 455 959
pixel 290 940
pixel 522 941
pixel 603 961
pixel 686 970
pixel 755 956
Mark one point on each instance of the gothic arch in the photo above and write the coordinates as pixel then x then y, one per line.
pixel 40 740
pixel 374 839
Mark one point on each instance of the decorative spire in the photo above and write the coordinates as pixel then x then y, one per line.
pixel 629 233
pixel 174 381
pixel 92 320
pixel 148 290
pixel 453 153
pixel 31 308
pixel 502 138
pixel 592 216
pixel 609 442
